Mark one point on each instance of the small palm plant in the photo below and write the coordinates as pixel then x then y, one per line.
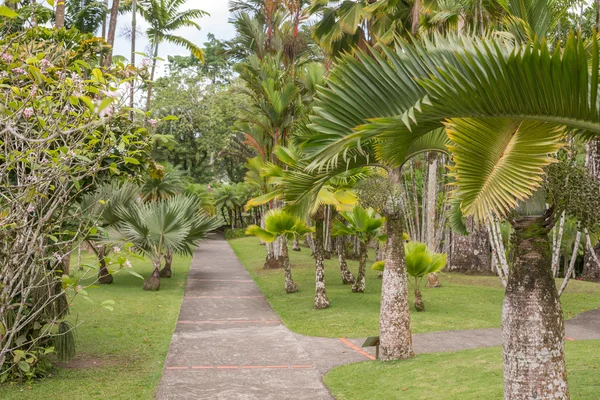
pixel 279 224
pixel 158 228
pixel 365 225
pixel 420 262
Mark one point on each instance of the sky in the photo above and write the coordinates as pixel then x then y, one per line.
pixel 216 23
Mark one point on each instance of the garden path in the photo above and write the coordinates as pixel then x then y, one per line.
pixel 230 345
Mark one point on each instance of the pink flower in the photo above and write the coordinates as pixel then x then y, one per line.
pixel 146 62
pixel 46 63
pixel 106 112
pixel 30 209
pixel 116 249
pixel 18 71
pixel 128 264
pixel 78 288
pixel 7 58
pixel 3 74
pixel 71 153
pixel 153 123
pixel 45 160
pixel 57 256
pixel 28 112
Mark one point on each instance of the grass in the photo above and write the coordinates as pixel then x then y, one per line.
pixel 120 353
pixel 464 302
pixel 464 375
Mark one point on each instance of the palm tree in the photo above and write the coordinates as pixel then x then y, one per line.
pixel 59 21
pixel 201 223
pixel 167 226
pixel 365 225
pixel 84 15
pixel 101 206
pixel 420 262
pixel 503 138
pixel 112 31
pixel 166 183
pixel 279 224
pixel 164 17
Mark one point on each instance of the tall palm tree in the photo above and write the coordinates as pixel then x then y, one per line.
pixel 165 17
pixel 364 225
pixel 59 21
pixel 171 226
pixel 102 206
pixel 503 139
pixel 112 31
pixel 279 224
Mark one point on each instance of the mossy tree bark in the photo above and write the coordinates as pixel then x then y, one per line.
pixel 321 300
pixel 471 253
pixel 104 277
pixel 296 245
pixel 394 324
pixel 290 286
pixel 153 281
pixel 347 277
pixel 166 271
pixel 360 283
pixel 532 321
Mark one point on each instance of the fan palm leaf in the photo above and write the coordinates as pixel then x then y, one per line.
pixel 383 104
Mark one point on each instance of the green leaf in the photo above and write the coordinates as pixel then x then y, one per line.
pixel 8 12
pixel 130 160
pixel 129 271
pixel 23 366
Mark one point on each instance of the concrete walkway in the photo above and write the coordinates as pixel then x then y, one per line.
pixel 230 344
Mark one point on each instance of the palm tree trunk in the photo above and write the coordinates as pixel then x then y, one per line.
pixel 360 283
pixel 394 323
pixel 153 281
pixel 152 72
pixel 60 14
pixel 290 286
pixel 432 279
pixel 112 30
pixel 471 253
pixel 296 245
pixel 133 38
pixel 533 328
pixel 347 277
pixel 166 271
pixel 321 300
pixel 104 277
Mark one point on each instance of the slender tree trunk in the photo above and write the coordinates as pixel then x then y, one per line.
pixel 556 245
pixel 419 305
pixel 360 283
pixel 166 271
pixel 591 261
pixel 532 321
pixel 60 14
pixel 296 245
pixel 347 277
pixel 104 20
pixel 432 184
pixel 133 39
pixel 571 270
pixel 153 281
pixel 471 253
pixel 290 286
pixel 104 277
pixel 152 73
pixel 321 300
pixel 394 324
pixel 112 31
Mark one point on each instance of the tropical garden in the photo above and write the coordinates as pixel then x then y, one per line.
pixel 382 168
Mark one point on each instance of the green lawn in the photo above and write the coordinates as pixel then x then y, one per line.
pixel 464 302
pixel 120 353
pixel 464 375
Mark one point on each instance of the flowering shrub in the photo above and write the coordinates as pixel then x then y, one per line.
pixel 63 129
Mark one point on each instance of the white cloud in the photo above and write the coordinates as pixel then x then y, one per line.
pixel 216 23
